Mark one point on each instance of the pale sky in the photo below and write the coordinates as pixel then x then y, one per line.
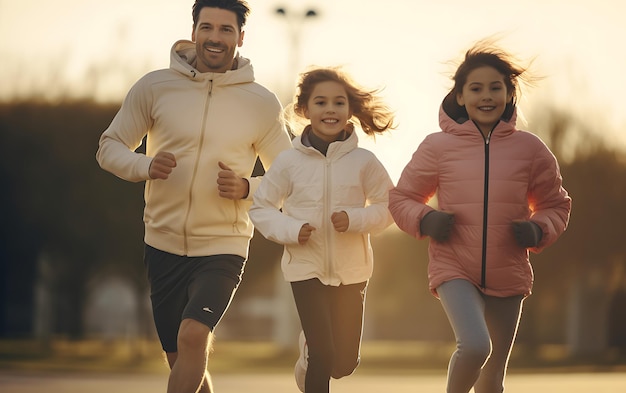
pixel 88 48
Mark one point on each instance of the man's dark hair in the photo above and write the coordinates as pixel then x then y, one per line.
pixel 239 7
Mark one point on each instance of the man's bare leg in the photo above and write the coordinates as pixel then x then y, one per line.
pixel 189 365
pixel 207 386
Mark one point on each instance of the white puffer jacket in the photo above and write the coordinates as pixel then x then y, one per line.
pixel 309 187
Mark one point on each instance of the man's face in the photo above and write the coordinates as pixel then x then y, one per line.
pixel 217 38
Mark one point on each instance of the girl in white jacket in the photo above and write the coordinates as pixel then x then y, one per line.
pixel 321 200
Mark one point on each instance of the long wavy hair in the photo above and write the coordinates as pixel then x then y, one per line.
pixel 486 53
pixel 373 115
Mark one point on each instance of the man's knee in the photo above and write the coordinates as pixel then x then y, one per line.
pixel 193 334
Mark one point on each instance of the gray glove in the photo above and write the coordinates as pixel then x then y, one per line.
pixel 527 233
pixel 437 225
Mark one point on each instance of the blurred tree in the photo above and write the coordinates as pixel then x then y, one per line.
pixel 63 206
pixel 579 276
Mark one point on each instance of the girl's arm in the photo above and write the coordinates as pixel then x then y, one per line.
pixel 418 183
pixel 375 216
pixel 549 202
pixel 268 199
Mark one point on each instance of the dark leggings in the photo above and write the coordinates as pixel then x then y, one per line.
pixel 332 321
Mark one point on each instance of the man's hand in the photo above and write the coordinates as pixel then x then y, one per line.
pixel 161 165
pixel 230 185
pixel 340 221
pixel 305 233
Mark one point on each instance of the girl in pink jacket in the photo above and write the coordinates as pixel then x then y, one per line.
pixel 499 194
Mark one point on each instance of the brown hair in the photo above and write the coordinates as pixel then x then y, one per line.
pixel 374 116
pixel 485 53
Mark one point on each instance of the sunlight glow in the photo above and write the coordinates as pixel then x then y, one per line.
pixel 96 50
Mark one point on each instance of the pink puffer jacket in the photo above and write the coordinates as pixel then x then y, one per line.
pixel 487 184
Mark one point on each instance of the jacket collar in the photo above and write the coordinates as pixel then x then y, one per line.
pixel 335 150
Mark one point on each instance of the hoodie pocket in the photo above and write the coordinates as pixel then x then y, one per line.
pixel 240 219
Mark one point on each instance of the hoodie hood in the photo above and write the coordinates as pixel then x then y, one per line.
pixel 183 60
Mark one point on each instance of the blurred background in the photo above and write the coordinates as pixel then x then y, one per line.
pixel 72 281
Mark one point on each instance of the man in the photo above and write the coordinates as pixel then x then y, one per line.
pixel 206 121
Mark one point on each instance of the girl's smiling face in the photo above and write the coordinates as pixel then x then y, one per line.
pixel 485 97
pixel 328 110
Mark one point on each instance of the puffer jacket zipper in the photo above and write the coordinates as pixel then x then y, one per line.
pixel 326 219
pixel 483 271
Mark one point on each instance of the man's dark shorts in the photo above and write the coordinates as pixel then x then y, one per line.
pixel 200 288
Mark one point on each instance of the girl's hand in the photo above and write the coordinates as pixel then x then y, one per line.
pixel 340 221
pixel 437 225
pixel 527 233
pixel 305 233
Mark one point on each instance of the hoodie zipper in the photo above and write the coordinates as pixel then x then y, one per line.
pixel 195 168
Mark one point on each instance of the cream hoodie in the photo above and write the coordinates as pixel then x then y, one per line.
pixel 202 118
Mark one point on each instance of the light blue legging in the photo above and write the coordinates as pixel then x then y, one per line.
pixel 485 329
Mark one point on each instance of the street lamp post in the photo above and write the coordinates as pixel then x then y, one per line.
pixel 294 21
pixel 286 322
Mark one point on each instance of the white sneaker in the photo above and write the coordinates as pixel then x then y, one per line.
pixel 302 363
